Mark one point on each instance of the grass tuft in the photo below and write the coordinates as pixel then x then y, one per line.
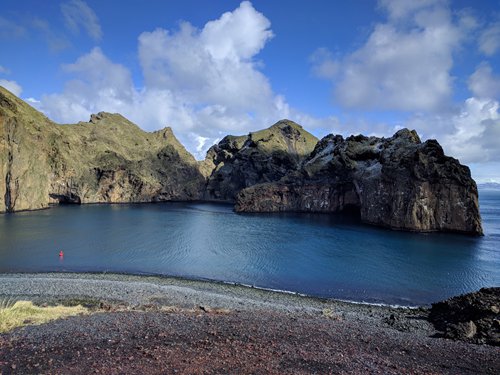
pixel 23 313
pixel 330 314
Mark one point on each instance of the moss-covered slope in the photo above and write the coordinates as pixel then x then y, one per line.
pixel 108 159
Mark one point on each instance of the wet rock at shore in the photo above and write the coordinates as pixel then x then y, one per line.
pixel 473 317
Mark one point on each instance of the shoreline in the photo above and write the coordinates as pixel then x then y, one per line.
pixel 139 291
pixel 153 325
pixel 201 284
pixel 185 280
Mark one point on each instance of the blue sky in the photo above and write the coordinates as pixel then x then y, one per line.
pixel 211 68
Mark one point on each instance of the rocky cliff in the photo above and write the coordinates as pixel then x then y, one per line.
pixel 108 159
pixel 398 182
pixel 263 156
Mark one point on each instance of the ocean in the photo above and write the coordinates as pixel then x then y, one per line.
pixel 321 255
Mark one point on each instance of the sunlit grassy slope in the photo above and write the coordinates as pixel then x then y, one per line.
pixel 24 313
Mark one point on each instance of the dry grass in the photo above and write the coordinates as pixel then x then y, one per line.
pixel 330 314
pixel 23 313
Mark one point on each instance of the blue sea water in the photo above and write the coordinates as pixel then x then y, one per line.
pixel 315 254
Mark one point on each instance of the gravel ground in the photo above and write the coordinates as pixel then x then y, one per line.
pixel 165 325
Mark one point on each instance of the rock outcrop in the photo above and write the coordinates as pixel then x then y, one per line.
pixel 473 317
pixel 263 156
pixel 398 182
pixel 106 160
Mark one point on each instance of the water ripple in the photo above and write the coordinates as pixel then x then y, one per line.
pixel 322 255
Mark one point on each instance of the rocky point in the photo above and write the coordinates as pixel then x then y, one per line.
pixel 398 182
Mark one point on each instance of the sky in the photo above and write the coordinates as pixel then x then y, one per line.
pixel 212 68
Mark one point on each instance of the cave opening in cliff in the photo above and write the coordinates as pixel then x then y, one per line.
pixel 352 211
pixel 63 199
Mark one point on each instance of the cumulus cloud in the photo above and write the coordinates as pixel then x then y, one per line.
pixel 489 41
pixel 12 86
pixel 78 15
pixel 214 65
pixel 99 85
pixel 205 83
pixel 476 135
pixel 483 83
pixel 405 63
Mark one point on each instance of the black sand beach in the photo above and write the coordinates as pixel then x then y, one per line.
pixel 153 325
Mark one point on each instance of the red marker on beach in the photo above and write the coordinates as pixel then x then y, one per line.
pixel 61 254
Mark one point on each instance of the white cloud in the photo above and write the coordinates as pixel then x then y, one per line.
pixel 470 133
pixel 99 85
pixel 489 41
pixel 405 63
pixel 77 14
pixel 33 101
pixel 476 136
pixel 483 83
pixel 12 86
pixel 214 65
pixel 201 143
pixel 205 83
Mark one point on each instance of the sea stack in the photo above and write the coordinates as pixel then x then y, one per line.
pixel 399 183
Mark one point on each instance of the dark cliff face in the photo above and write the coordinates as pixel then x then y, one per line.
pixel 263 156
pixel 106 160
pixel 397 182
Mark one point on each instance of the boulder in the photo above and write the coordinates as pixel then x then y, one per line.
pixel 473 317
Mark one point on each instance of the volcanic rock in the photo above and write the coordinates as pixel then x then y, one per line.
pixel 398 182
pixel 263 156
pixel 473 317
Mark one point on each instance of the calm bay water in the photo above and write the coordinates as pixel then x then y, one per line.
pixel 320 255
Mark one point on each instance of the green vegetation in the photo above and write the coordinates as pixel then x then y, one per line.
pixel 285 136
pixel 23 313
pixel 108 159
